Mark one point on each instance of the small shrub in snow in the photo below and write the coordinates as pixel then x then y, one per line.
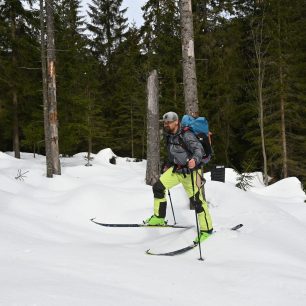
pixel 20 176
pixel 244 180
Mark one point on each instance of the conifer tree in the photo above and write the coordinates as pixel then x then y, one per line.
pixel 128 98
pixel 294 54
pixel 108 27
pixel 70 45
pixel 18 58
pixel 162 48
pixel 219 70
pixel 283 43
pixel 107 24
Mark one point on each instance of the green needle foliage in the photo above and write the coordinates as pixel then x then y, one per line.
pixel 102 65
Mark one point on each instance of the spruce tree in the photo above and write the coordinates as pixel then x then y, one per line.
pixel 19 56
pixel 219 70
pixel 162 48
pixel 284 39
pixel 72 75
pixel 108 27
pixel 296 86
pixel 129 96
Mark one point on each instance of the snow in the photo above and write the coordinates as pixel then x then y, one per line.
pixel 51 254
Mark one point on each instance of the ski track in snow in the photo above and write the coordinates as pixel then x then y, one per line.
pixel 51 254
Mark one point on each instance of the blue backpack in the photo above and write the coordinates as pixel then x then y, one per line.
pixel 199 126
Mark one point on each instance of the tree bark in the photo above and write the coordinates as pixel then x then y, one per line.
pixel 89 151
pixel 45 92
pixel 282 100
pixel 261 124
pixel 153 147
pixel 257 35
pixel 51 81
pixel 132 131
pixel 16 142
pixel 189 68
pixel 283 125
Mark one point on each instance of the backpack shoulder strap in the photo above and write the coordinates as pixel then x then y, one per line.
pixel 181 139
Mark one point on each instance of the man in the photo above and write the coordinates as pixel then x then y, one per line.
pixel 185 154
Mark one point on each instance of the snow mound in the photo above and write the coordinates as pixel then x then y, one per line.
pixel 105 155
pixel 286 188
pixel 231 177
pixel 81 155
pixel 4 156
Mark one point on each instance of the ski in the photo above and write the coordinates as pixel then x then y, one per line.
pixel 187 248
pixel 138 225
pixel 176 252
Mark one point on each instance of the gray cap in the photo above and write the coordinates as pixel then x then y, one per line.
pixel 170 116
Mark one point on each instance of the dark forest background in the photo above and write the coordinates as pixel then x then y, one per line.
pixel 247 53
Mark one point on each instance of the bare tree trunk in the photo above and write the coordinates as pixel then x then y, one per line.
pixel 143 138
pixel 132 131
pixel 189 68
pixel 89 126
pixel 16 142
pixel 282 101
pixel 89 151
pixel 261 123
pixel 89 147
pixel 257 34
pixel 153 147
pixel 45 92
pixel 227 136
pixel 53 120
pixel 283 124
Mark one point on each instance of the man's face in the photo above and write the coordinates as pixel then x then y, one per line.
pixel 171 126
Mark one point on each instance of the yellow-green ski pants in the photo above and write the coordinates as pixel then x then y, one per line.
pixel 170 179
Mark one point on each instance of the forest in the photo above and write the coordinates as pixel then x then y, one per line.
pixel 251 78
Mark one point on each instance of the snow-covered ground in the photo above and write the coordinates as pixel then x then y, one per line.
pixel 51 254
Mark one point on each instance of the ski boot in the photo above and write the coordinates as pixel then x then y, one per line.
pixel 203 236
pixel 155 221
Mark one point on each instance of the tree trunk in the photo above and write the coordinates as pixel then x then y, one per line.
pixel 53 120
pixel 89 129
pixel 189 68
pixel 282 100
pixel 257 35
pixel 153 148
pixel 45 92
pixel 261 124
pixel 132 131
pixel 283 125
pixel 16 142
pixel 89 151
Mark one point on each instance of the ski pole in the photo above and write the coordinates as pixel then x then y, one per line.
pixel 171 206
pixel 196 215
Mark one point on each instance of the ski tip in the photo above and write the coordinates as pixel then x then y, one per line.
pixel 92 219
pixel 237 226
pixel 148 251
